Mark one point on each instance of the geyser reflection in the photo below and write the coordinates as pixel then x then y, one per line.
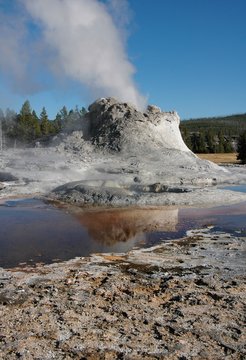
pixel 112 226
pixel 33 232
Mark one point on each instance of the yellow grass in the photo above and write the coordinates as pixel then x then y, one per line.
pixel 230 158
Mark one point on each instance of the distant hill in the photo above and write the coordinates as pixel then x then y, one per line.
pixel 231 124
pixel 214 134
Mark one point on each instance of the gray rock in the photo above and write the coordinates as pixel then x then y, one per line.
pixel 120 127
pixel 5 176
pixel 2 186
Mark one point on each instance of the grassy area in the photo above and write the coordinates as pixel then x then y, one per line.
pixel 230 158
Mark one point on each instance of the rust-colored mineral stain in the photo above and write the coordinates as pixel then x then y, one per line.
pixel 112 226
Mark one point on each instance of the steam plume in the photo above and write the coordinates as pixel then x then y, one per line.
pixel 87 46
pixel 15 56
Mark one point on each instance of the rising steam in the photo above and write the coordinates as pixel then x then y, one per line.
pixel 86 45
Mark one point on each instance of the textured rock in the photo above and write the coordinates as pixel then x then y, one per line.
pixel 120 127
pixel 180 300
pixel 5 176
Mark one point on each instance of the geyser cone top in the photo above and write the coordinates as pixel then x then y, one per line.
pixel 106 103
pixel 112 106
pixel 102 102
pixel 153 109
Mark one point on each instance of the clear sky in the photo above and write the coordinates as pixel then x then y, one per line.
pixel 188 55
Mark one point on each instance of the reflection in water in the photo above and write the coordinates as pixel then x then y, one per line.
pixel 231 218
pixel 33 232
pixel 112 226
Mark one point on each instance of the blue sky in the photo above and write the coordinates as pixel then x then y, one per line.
pixel 189 56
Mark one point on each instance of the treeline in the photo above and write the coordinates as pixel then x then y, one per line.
pixel 213 135
pixel 27 127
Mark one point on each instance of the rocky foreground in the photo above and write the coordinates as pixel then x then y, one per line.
pixel 181 300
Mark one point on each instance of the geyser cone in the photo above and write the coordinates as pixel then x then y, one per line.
pixel 120 127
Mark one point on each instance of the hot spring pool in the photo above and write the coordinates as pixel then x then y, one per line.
pixel 32 231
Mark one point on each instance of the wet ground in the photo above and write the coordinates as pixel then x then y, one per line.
pixel 33 232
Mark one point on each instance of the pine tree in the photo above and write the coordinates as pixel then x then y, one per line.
pixel 210 141
pixel 220 147
pixel 57 123
pixel 25 109
pixel 241 148
pixel 36 125
pixel 64 115
pixel 27 127
pixel 228 148
pixel 198 143
pixel 44 122
pixel 187 138
pixel 202 143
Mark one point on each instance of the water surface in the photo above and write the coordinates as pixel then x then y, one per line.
pixel 34 232
pixel 240 188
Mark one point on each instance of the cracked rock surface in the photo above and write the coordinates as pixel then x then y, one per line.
pixel 184 299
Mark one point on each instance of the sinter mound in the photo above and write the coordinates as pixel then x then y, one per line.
pixel 142 155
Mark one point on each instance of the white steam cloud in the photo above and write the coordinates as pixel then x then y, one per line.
pixel 86 44
pixel 15 55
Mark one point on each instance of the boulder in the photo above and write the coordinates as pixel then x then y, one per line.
pixel 5 176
